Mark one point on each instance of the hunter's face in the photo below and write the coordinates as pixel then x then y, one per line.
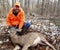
pixel 16 8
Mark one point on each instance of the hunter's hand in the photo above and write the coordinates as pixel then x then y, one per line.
pixel 19 30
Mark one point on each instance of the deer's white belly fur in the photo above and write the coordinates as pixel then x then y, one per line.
pixel 37 40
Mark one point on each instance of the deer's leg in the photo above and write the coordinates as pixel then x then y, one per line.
pixel 26 47
pixel 17 47
pixel 49 44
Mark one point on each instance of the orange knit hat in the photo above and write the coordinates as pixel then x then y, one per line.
pixel 17 3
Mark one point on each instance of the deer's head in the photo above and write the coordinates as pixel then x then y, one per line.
pixel 12 31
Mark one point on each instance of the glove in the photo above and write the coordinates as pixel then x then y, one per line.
pixel 19 32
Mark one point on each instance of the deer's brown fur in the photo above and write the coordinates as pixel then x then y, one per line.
pixel 30 39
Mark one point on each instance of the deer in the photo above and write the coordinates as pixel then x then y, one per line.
pixel 27 40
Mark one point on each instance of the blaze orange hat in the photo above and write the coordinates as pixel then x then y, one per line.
pixel 17 3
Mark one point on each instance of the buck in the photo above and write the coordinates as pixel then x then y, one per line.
pixel 30 39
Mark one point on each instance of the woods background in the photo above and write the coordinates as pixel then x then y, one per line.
pixel 41 7
pixel 46 8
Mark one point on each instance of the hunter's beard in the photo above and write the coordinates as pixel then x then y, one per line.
pixel 15 12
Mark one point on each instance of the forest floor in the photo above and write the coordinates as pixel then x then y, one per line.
pixel 53 37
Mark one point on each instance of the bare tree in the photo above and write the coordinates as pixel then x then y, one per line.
pixel 21 1
pixel 42 7
pixel 58 12
pixel 13 1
